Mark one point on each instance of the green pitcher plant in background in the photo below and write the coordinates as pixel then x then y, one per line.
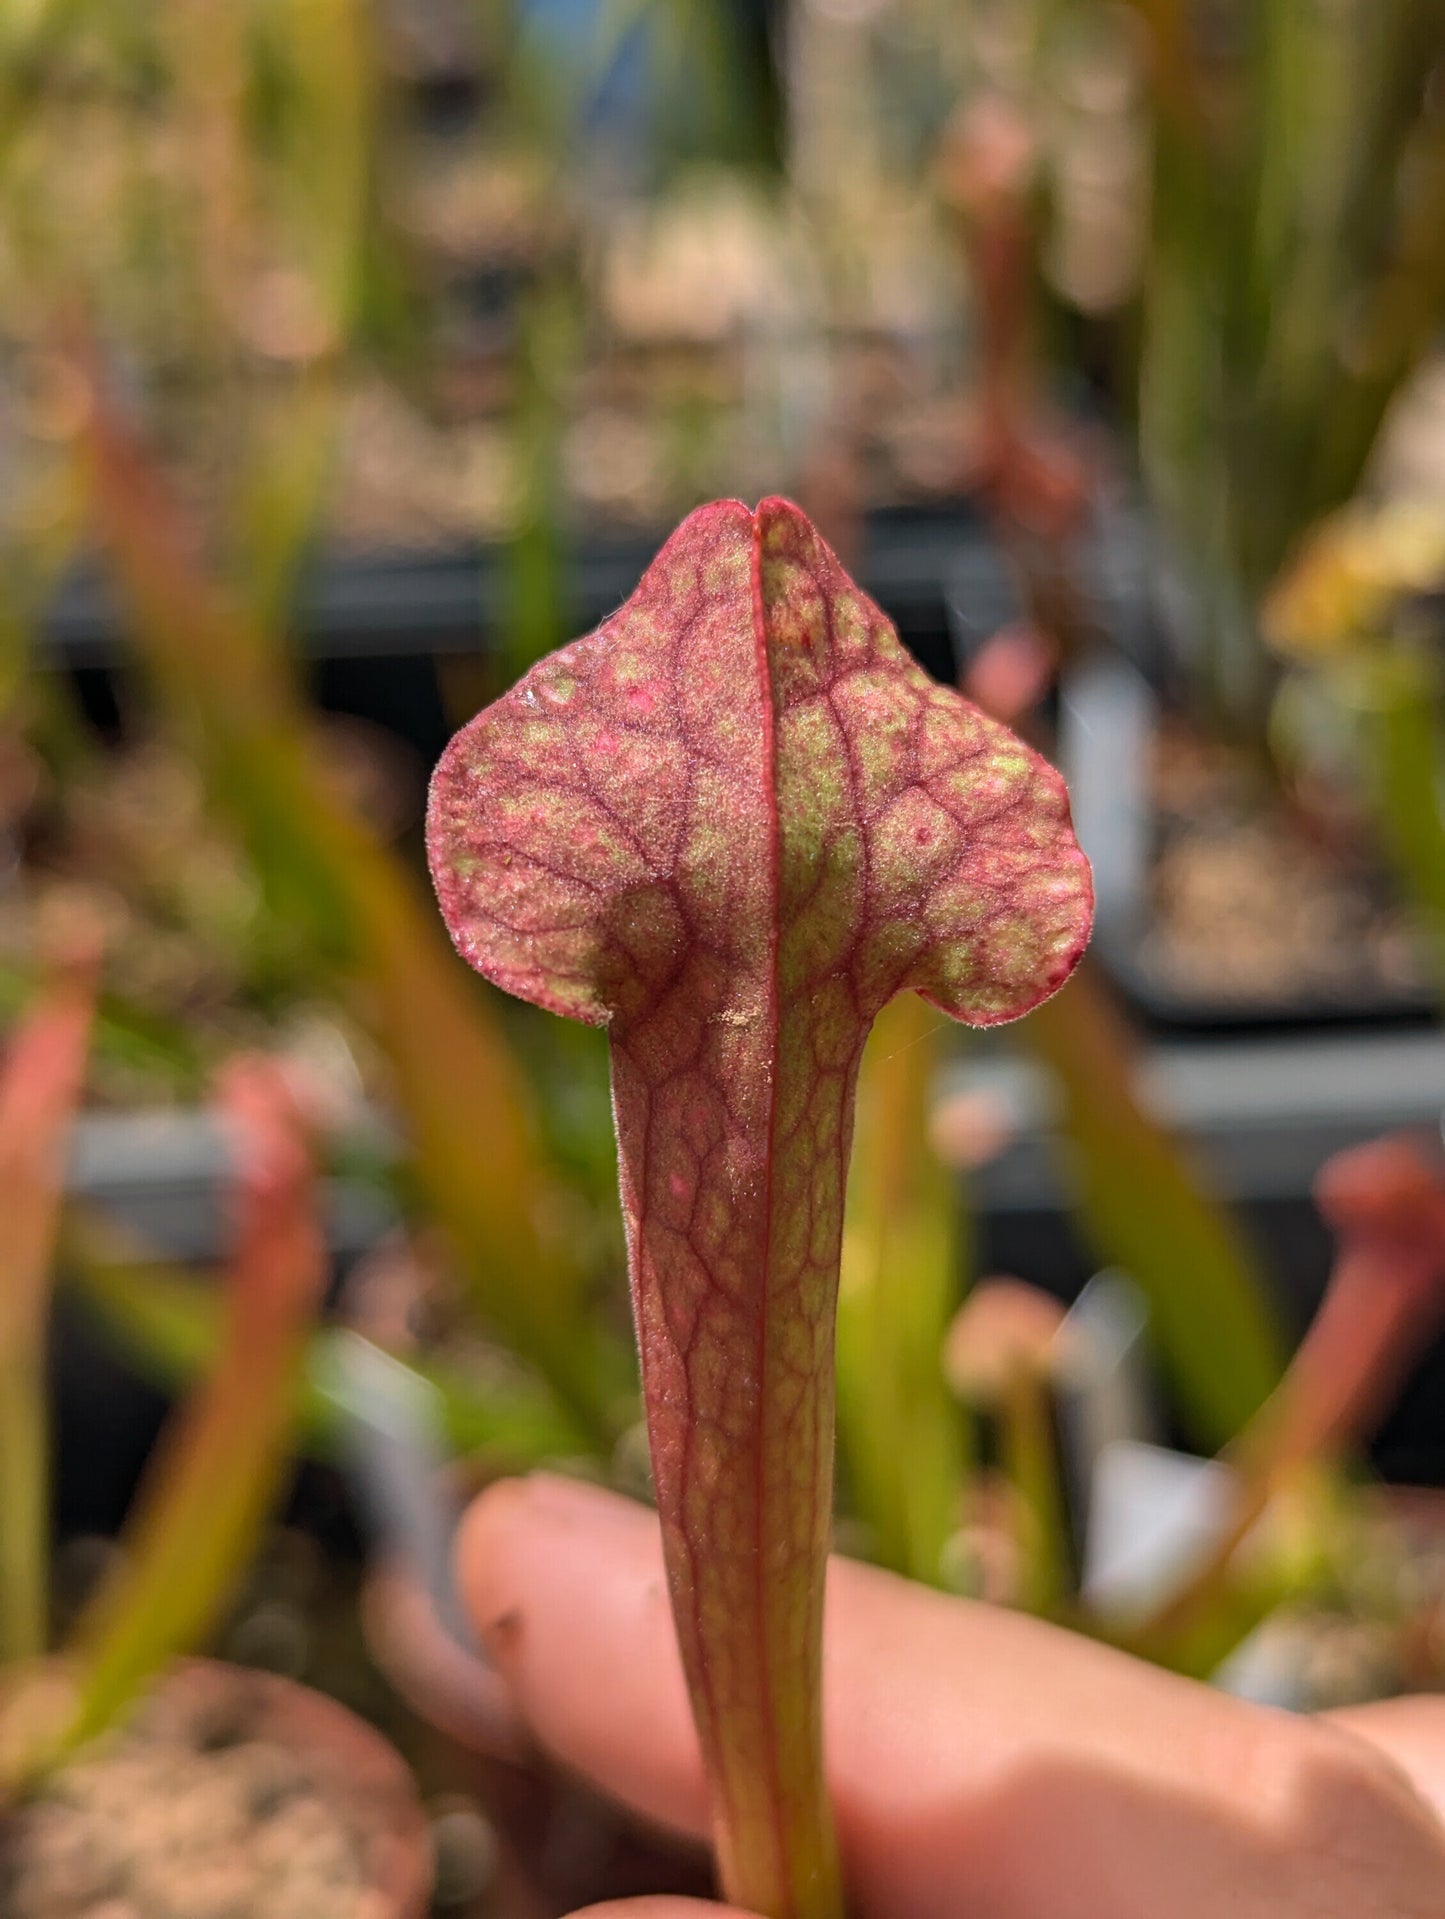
pixel 901 1436
pixel 211 1482
pixel 1146 1209
pixel 41 1080
pixel 730 826
pixel 1384 1201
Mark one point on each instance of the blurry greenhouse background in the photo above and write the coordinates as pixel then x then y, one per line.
pixel 357 352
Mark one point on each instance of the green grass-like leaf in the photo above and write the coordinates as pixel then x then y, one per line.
pixel 1144 1208
pixel 902 1436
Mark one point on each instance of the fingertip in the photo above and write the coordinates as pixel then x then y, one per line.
pixel 485 1546
pixel 517 1529
pixel 564 1581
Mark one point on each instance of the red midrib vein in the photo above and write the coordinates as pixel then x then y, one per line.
pixel 764 1298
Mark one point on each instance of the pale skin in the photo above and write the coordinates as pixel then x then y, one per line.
pixel 983 1765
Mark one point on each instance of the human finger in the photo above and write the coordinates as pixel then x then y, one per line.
pixel 967 1747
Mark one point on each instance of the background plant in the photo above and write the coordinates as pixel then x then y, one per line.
pixel 212 1482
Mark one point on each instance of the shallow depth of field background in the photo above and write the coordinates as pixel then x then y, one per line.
pixel 357 352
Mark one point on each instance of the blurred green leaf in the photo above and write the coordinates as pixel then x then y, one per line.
pixel 279 496
pixel 122 1034
pixel 548 345
pixel 1145 1210
pixel 1035 1476
pixel 900 1432
pixel 1397 697
pixel 1295 281
pixel 169 1322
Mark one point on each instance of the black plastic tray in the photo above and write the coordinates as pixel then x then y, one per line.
pixel 1107 712
pixel 925 566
